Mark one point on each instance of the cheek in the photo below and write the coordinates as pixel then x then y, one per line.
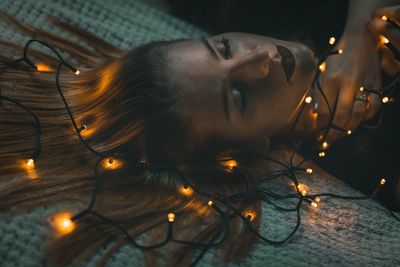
pixel 274 110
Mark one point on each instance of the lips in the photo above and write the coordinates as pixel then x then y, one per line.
pixel 288 62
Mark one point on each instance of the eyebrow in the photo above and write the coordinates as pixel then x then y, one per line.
pixel 224 89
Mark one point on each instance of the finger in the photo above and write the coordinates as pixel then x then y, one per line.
pixel 392 12
pixel 388 63
pixel 343 113
pixel 375 104
pixel 384 33
pixel 326 99
pixel 358 114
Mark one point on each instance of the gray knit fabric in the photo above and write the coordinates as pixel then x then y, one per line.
pixel 338 233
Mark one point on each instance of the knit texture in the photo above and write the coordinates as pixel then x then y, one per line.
pixel 337 233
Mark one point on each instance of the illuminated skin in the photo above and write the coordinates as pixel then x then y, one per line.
pixel 203 73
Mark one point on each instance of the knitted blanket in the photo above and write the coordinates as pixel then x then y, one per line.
pixel 337 233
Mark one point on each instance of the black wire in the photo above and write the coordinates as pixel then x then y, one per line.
pixel 257 191
pixel 38 128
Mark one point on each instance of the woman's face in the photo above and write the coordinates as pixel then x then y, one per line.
pixel 241 86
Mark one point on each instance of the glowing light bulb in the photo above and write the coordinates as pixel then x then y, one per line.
pixel 30 163
pixel 63 223
pixel 210 203
pixel 309 170
pixel 322 154
pixel 384 18
pixel 317 199
pixel 308 99
pixel 325 144
pixel 362 89
pixel 314 204
pixel 322 67
pixel 383 181
pixel 42 67
pixel 314 115
pixel 385 99
pixel 171 217
pixel 77 72
pixel 332 40
pixel 186 190
pixel 112 163
pixel 304 193
pixel 384 40
pixel 250 215
pixel 348 132
pixel 230 163
pixel 340 51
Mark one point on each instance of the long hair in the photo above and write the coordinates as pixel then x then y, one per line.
pixel 128 104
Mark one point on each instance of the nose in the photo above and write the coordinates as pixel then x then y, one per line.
pixel 251 64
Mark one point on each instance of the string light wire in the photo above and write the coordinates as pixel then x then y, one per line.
pixel 223 206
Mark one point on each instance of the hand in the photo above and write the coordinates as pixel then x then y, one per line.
pixel 384 28
pixel 357 66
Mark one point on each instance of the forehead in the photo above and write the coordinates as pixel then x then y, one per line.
pixel 199 78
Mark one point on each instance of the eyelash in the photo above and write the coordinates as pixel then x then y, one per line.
pixel 237 86
pixel 227 46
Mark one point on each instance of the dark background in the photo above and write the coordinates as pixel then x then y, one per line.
pixel 308 21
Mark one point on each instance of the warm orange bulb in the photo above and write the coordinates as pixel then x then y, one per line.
pixel 383 181
pixel 332 40
pixel 112 163
pixel 314 115
pixel 340 51
pixel 63 223
pixel 362 89
pixel 171 217
pixel 230 163
pixel 43 67
pixel 304 193
pixel 250 215
pixel 186 190
pixel 317 199
pixel 322 67
pixel 325 144
pixel 77 72
pixel 384 18
pixel 348 132
pixel 309 170
pixel 314 204
pixel 308 99
pixel 30 163
pixel 210 203
pixel 322 154
pixel 384 40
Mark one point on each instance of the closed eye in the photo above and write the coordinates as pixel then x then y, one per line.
pixel 240 91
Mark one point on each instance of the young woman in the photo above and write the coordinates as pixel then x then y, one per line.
pixel 176 111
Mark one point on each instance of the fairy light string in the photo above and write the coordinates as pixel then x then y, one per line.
pixel 223 206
